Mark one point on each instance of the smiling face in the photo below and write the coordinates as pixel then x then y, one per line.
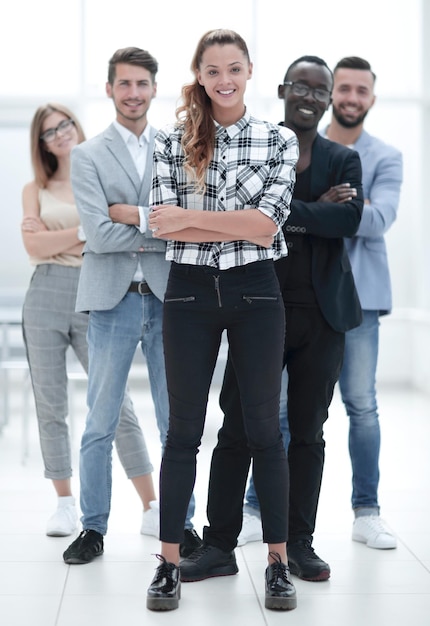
pixel 65 139
pixel 132 92
pixel 304 112
pixel 353 96
pixel 223 72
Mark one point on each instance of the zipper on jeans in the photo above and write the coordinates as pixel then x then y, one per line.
pixel 186 299
pixel 218 293
pixel 250 299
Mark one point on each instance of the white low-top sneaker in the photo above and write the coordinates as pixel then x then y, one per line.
pixel 251 530
pixel 373 531
pixel 64 521
pixel 151 520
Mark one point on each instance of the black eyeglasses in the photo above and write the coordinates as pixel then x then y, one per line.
pixel 49 135
pixel 301 89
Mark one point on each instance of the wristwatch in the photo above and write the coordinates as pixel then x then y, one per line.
pixel 81 234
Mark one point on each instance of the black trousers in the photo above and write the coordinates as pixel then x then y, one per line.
pixel 200 303
pixel 313 354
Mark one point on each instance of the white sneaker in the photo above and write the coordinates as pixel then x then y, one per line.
pixel 64 521
pixel 372 530
pixel 151 520
pixel 251 530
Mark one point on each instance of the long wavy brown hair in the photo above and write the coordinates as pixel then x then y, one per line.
pixel 195 114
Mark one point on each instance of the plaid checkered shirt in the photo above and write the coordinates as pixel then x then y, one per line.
pixel 253 166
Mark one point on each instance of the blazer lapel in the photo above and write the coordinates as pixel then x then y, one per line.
pixel 145 185
pixel 362 144
pixel 119 150
pixel 319 166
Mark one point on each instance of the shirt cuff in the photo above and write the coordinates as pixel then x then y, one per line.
pixel 143 224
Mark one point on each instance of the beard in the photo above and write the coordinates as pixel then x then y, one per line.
pixel 130 117
pixel 347 123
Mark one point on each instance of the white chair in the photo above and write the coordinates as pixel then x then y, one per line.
pixel 13 359
pixel 12 351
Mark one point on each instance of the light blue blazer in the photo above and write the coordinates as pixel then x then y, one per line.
pixel 103 173
pixel 382 167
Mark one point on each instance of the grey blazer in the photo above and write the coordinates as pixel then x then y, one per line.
pixel 382 167
pixel 103 173
pixel 382 179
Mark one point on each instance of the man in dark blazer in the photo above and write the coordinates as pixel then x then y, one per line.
pixel 321 303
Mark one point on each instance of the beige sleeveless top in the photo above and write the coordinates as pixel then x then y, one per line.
pixel 57 215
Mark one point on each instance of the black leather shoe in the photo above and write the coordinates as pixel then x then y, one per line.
pixel 164 591
pixel 208 562
pixel 304 563
pixel 280 591
pixel 85 548
pixel 191 542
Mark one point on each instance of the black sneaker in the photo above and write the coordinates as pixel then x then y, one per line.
pixel 85 548
pixel 164 592
pixel 191 542
pixel 280 591
pixel 304 563
pixel 207 562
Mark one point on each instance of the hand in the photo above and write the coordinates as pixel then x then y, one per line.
pixel 265 241
pixel 124 214
pixel 339 193
pixel 32 224
pixel 167 218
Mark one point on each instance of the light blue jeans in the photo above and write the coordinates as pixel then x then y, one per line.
pixel 357 384
pixel 113 337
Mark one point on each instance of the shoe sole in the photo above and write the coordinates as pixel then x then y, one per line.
pixel 320 577
pixel 225 570
pixel 148 532
pixel 242 542
pixel 369 544
pixel 73 560
pixel 281 604
pixel 164 604
pixel 59 533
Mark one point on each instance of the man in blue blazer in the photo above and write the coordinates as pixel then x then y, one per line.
pixel 122 284
pixel 321 304
pixel 353 97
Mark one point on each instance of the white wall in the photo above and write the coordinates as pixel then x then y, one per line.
pixel 61 54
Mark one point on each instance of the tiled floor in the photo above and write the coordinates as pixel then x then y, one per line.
pixel 367 587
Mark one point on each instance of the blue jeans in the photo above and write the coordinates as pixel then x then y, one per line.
pixel 357 384
pixel 113 336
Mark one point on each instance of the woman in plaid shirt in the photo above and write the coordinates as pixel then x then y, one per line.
pixel 222 186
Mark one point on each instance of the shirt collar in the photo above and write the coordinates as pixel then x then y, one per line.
pixel 126 134
pixel 234 129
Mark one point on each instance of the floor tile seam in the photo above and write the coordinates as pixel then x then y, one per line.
pixel 259 596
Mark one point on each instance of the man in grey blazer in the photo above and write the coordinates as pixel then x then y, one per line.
pixel 122 284
pixel 353 97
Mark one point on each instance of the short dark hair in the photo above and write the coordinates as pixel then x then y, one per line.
pixel 307 59
pixel 355 63
pixel 132 56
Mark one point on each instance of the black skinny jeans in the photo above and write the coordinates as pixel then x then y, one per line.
pixel 200 303
pixel 313 355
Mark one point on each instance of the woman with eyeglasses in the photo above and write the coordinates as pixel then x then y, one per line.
pixel 54 241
